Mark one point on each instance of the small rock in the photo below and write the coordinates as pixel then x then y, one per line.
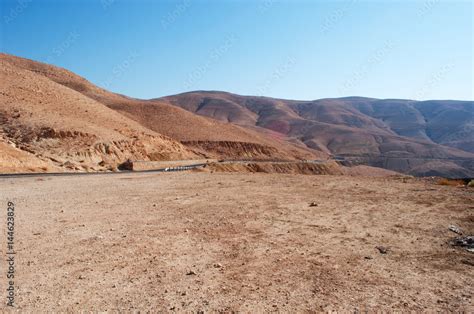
pixel 368 257
pixel 455 229
pixel 218 265
pixel 313 204
pixel 382 249
pixel 466 242
pixel 467 262
pixel 191 272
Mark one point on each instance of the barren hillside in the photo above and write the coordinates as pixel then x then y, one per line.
pixel 420 138
pixel 66 123
pixel 56 126
pixel 58 120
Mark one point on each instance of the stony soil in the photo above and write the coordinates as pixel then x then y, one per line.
pixel 237 242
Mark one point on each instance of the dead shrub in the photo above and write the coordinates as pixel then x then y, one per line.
pixel 450 182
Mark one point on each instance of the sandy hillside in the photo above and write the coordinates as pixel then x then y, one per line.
pixel 61 126
pixel 183 242
pixel 203 135
pixel 16 160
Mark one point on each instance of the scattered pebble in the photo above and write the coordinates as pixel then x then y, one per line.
pixel 465 242
pixel 455 229
pixel 467 262
pixel 382 249
pixel 313 204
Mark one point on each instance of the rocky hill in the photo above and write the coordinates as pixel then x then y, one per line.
pixel 421 138
pixel 52 119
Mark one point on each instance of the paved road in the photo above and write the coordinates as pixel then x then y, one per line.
pixel 169 169
pixel 62 174
pixel 273 161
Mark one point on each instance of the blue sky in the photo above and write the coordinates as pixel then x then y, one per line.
pixel 287 49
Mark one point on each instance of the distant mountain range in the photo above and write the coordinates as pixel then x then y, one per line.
pixel 53 119
pixel 417 137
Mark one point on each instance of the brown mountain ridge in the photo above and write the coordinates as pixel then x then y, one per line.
pixel 419 138
pixel 54 120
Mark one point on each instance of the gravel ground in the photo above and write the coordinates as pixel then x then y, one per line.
pixel 237 242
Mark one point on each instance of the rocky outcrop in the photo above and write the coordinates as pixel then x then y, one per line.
pixel 234 150
pixel 328 168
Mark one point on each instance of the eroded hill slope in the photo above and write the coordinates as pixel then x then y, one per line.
pixel 420 138
pixel 194 131
pixel 62 128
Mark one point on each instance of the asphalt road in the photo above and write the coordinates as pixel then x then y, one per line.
pixel 170 169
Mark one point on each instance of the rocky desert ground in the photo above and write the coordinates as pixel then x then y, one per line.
pixel 208 242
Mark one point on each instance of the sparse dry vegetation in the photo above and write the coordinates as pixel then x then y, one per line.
pixel 450 182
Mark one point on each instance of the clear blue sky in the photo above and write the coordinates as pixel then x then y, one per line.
pixel 288 49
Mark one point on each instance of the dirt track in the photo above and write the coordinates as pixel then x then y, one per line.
pixel 235 242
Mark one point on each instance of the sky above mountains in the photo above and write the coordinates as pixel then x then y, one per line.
pixel 286 49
